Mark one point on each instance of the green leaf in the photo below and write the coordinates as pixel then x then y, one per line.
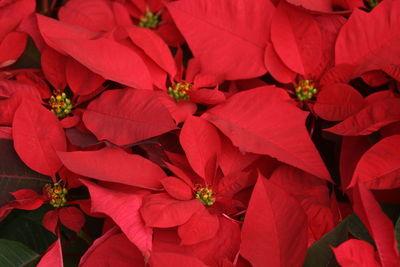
pixel 15 175
pixel 320 253
pixel 397 232
pixel 13 254
pixel 358 229
pixel 19 227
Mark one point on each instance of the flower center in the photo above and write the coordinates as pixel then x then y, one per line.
pixel 206 196
pixel 150 20
pixel 60 104
pixel 56 194
pixel 305 90
pixel 179 91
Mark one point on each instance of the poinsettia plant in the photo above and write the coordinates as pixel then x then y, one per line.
pixel 199 133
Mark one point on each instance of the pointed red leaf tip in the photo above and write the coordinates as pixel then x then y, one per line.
pixel 160 210
pixel 336 102
pixel 113 164
pixel 370 119
pixel 202 145
pixel 378 224
pixel 177 188
pixel 370 40
pixel 296 38
pixel 264 120
pixel 123 208
pixel 154 47
pixel 275 226
pixel 162 259
pixel 106 57
pixel 276 67
pixel 50 220
pixel 12 47
pixel 112 249
pixel 228 38
pixel 37 145
pixel 356 253
pixel 127 116
pixel 53 256
pixel 72 218
pixel 379 167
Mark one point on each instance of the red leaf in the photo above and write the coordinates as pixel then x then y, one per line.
pixel 200 227
pixel 275 227
pixel 276 67
pixel 177 188
pixel 296 38
pixel 90 14
pixel 72 218
pixel 50 220
pixel 314 5
pixel 379 167
pixel 139 116
pixel 356 253
pixel 105 57
pixel 80 79
pixel 37 145
pixel 338 101
pixel 379 226
pixel 53 65
pixel 162 259
pixel 123 208
pixel 370 119
pixel 113 164
pixel 227 37
pixel 371 40
pixel 53 256
pixel 112 249
pixel 201 143
pixel 160 210
pixel 154 47
pixel 265 121
pixel 12 47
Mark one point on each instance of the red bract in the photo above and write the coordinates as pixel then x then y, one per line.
pixel 248 118
pixel 356 253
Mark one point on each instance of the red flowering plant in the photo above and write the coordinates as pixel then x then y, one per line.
pixel 199 133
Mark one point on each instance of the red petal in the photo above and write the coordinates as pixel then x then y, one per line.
pixel 72 218
pixel 80 79
pixel 276 67
pixel 160 210
pixel 201 143
pixel 43 142
pixel 370 40
pixel 53 256
pixel 248 117
pixel 162 259
pixel 139 116
pixel 177 188
pixel 356 253
pixel 220 35
pixel 113 164
pixel 338 101
pixel 201 226
pixel 274 227
pixel 296 38
pixel 112 249
pixel 123 208
pixel 154 47
pixel 379 226
pixel 50 220
pixel 12 47
pixel 370 119
pixel 53 65
pixel 379 167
